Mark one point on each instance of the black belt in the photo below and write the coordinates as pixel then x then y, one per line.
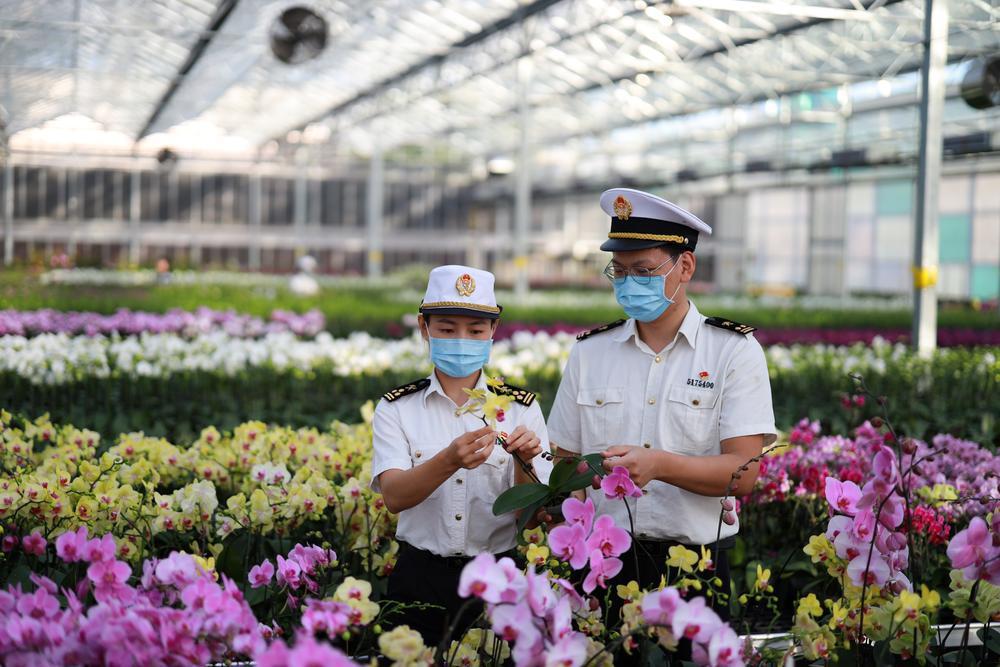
pixel 658 547
pixel 452 562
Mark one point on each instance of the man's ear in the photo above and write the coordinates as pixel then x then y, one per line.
pixel 688 265
pixel 422 324
pixel 494 326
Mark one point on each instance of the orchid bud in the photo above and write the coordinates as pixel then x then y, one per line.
pixel 909 446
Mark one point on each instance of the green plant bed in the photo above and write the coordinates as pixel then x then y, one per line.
pixel 952 395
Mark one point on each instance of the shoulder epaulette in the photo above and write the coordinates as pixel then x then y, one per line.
pixel 583 335
pixel 522 396
pixel 406 389
pixel 729 325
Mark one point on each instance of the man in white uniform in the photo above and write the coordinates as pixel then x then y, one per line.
pixel 680 400
pixel 442 472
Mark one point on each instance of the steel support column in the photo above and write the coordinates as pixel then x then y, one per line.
pixel 926 249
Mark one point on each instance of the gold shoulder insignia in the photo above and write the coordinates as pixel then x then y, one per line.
pixel 522 396
pixel 406 389
pixel 723 323
pixel 583 335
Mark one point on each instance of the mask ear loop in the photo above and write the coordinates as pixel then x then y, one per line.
pixel 667 275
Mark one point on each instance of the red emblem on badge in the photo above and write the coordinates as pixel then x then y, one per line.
pixel 703 374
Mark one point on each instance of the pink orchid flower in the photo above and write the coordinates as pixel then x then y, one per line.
pixel 658 607
pixel 327 616
pixel 568 543
pixel 695 621
pixel 608 538
pixel 885 466
pixel 971 548
pixel 34 544
pixel 579 511
pixel 516 583
pixel 842 496
pixel 483 578
pixel 873 571
pixel 539 595
pixel 260 575
pixel 619 485
pixel 109 577
pixel 724 649
pixel 570 651
pixel 307 652
pixel 100 549
pixel 71 546
pixel 838 524
pixel 289 572
pixel 513 622
pixel 601 569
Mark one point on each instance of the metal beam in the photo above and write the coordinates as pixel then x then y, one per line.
pixel 374 212
pixel 8 211
pixel 703 56
pixel 520 14
pixel 781 9
pixel 223 11
pixel 926 249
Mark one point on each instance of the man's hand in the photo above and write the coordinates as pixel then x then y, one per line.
pixel 471 449
pixel 642 464
pixel 524 443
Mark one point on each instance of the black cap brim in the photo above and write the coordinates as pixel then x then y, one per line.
pixel 467 312
pixel 621 245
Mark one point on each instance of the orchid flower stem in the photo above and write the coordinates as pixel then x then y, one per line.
pixel 635 542
pixel 526 467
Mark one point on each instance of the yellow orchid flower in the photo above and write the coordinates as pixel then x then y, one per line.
pixel 682 557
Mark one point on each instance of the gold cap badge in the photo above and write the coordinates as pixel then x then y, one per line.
pixel 623 208
pixel 465 285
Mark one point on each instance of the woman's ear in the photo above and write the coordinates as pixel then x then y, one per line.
pixel 422 325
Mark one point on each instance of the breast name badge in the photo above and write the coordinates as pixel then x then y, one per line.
pixel 703 380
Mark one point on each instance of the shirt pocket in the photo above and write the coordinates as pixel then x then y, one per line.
pixel 421 453
pixel 494 475
pixel 601 413
pixel 694 421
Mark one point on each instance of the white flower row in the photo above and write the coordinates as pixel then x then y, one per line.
pixel 54 359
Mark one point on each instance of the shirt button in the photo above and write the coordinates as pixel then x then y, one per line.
pixel 458 517
pixel 645 492
pixel 647 445
pixel 658 359
pixel 599 402
pixel 503 461
pixel 416 454
pixel 459 481
pixel 695 402
pixel 652 401
pixel 642 534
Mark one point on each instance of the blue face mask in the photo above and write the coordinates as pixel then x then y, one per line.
pixel 644 302
pixel 460 357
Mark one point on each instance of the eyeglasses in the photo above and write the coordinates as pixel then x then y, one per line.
pixel 614 272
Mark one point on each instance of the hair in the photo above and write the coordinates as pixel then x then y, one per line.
pixel 672 250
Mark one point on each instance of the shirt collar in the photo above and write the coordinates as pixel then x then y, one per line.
pixel 689 327
pixel 435 385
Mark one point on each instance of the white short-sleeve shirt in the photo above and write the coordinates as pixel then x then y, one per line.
pixel 457 518
pixel 708 385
